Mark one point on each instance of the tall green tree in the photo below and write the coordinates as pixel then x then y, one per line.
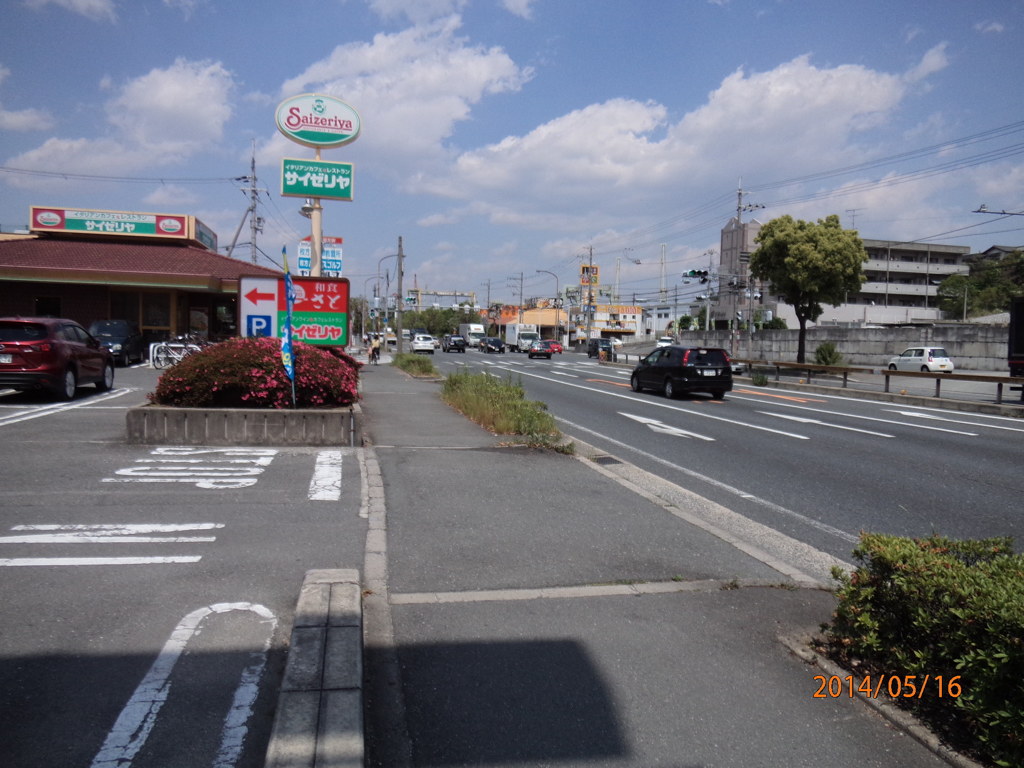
pixel 809 264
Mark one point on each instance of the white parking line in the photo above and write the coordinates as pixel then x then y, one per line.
pixel 325 485
pixel 47 410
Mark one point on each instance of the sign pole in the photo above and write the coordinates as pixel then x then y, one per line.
pixel 317 222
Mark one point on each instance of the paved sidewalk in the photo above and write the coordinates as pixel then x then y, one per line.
pixel 526 608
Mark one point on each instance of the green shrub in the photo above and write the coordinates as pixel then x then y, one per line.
pixel 827 354
pixel 416 365
pixel 940 607
pixel 501 407
pixel 759 378
pixel 248 373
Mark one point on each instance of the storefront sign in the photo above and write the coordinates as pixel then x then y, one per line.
pixel 109 222
pixel 316 178
pixel 319 314
pixel 317 120
pixel 330 256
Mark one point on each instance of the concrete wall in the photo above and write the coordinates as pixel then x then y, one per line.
pixel 972 347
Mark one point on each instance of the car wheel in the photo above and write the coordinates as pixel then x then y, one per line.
pixel 718 395
pixel 107 382
pixel 892 367
pixel 925 369
pixel 634 383
pixel 69 383
pixel 670 391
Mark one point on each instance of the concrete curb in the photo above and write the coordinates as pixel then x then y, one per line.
pixel 319 719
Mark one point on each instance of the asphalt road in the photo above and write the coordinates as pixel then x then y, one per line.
pixel 819 468
pixel 147 594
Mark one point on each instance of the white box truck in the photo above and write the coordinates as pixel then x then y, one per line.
pixel 519 336
pixel 473 333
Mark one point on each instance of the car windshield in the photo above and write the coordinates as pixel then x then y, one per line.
pixel 22 331
pixel 109 328
pixel 707 357
pixel 939 352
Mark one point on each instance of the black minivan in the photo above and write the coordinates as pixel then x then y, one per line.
pixel 674 370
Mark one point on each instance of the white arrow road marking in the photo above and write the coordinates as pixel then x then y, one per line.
pixel 804 420
pixel 138 717
pixel 325 485
pixel 665 429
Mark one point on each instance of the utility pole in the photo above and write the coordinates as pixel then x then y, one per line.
pixel 590 295
pixel 661 292
pixel 401 298
pixel 255 222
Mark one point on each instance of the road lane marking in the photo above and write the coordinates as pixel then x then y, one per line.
pixel 75 561
pixel 663 428
pixel 218 469
pixel 936 417
pixel 325 485
pixel 819 422
pixel 824 527
pixel 116 533
pixel 138 717
pixel 48 410
pixel 655 403
pixel 777 396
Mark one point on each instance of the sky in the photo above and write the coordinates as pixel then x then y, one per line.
pixel 503 137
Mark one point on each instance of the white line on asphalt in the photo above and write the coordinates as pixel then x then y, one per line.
pixel 665 429
pixel 325 485
pixel 82 538
pixel 670 407
pixel 825 527
pixel 819 422
pixel 74 561
pixel 121 528
pixel 47 410
pixel 138 717
pixel 936 417
pixel 858 416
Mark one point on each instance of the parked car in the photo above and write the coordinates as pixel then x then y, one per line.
pixel 596 346
pixel 52 354
pixel 666 341
pixel 421 342
pixel 492 344
pixel 553 345
pixel 676 369
pixel 926 359
pixel 122 338
pixel 453 343
pixel 538 349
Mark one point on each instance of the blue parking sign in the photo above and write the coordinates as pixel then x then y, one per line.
pixel 257 325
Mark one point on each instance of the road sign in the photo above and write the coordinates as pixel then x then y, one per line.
pixel 319 315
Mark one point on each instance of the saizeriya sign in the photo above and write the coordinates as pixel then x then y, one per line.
pixel 317 120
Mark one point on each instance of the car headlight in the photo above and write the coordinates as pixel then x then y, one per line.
pixel 115 347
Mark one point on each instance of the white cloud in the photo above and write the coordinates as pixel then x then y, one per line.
pixel 158 118
pixel 987 27
pixel 170 197
pixel 521 8
pixel 98 10
pixel 416 11
pixel 411 88
pixel 174 111
pixel 620 157
pixel 933 61
pixel 22 119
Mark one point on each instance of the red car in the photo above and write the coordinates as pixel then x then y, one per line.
pixel 553 345
pixel 52 354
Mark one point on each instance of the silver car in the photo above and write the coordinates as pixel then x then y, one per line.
pixel 924 359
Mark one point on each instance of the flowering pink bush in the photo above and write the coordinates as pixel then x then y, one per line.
pixel 248 373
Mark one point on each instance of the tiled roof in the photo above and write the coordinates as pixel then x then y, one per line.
pixel 134 259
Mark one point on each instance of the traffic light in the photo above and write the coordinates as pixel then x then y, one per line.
pixel 739 315
pixel 701 274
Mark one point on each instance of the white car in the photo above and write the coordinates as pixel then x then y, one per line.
pixel 924 359
pixel 666 341
pixel 423 343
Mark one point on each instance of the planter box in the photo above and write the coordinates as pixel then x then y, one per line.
pixel 163 425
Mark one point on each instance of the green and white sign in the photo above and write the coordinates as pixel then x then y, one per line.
pixel 318 120
pixel 316 178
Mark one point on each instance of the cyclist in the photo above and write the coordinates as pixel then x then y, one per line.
pixel 375 350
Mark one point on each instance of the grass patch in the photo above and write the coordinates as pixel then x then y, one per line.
pixel 415 365
pixel 500 406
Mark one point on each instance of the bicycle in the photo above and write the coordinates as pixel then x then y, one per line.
pixel 171 352
pixel 375 355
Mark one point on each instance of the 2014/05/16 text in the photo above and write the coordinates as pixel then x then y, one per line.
pixel 907 687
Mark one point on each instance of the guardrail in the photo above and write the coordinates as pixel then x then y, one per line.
pixel 811 369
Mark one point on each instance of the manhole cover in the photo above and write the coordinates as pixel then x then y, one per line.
pixel 606 460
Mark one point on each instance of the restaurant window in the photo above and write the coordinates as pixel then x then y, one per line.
pixel 47 306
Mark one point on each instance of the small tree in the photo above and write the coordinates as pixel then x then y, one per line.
pixel 809 264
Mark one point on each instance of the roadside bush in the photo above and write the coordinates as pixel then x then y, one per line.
pixel 415 365
pixel 248 373
pixel 501 407
pixel 827 354
pixel 938 607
